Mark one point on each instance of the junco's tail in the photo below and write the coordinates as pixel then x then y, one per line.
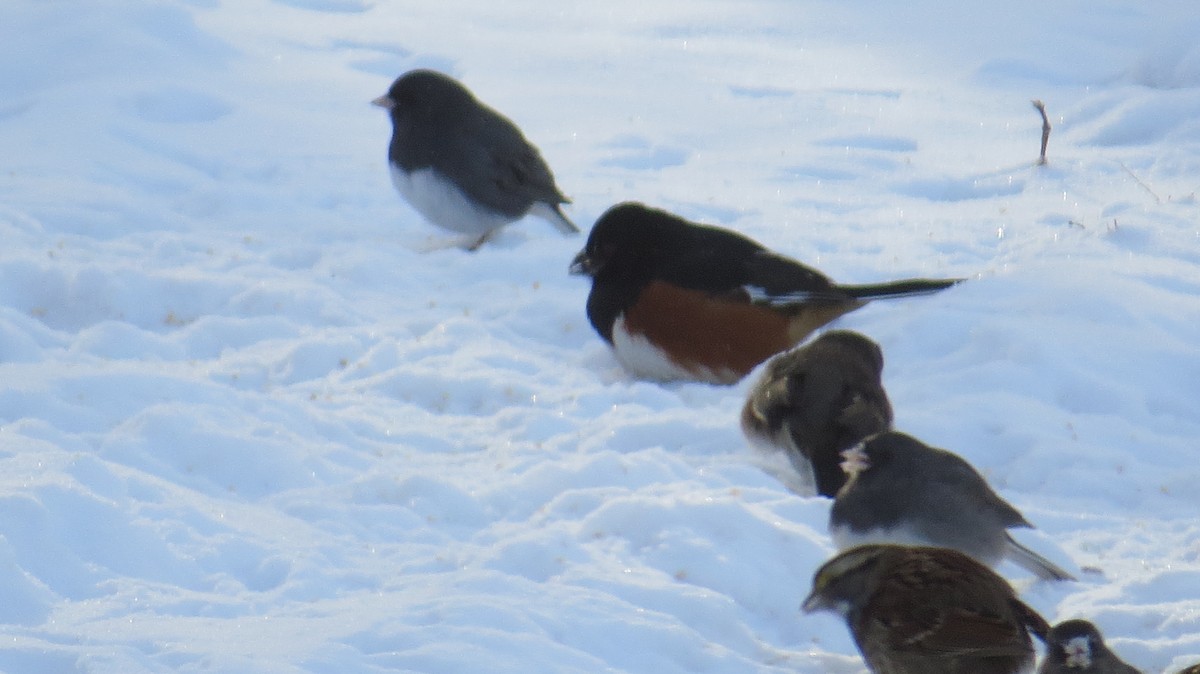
pixel 903 288
pixel 553 214
pixel 1035 563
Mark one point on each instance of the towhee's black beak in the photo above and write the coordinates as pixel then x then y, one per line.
pixel 582 265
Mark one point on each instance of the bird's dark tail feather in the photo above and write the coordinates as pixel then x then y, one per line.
pixel 553 214
pixel 1035 563
pixel 903 288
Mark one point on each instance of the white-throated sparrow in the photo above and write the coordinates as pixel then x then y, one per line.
pixel 815 401
pixel 921 610
pixel 1076 647
pixel 901 490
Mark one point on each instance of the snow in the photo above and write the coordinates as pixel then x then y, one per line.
pixel 258 416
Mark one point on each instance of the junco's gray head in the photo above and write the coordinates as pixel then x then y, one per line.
pixel 815 401
pixel 904 491
pixel 461 164
pixel 1076 647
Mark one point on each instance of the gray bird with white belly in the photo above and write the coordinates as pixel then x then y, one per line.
pixel 901 490
pixel 465 167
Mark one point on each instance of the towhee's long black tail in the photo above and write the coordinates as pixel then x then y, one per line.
pixel 902 288
pixel 841 294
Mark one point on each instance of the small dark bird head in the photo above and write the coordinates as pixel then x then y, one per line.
pixel 424 93
pixel 1075 644
pixel 630 234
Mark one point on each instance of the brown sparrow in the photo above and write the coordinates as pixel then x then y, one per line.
pixel 815 401
pixel 920 610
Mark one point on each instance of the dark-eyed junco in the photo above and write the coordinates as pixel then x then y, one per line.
pixel 815 401
pixel 921 610
pixel 901 490
pixel 1076 647
pixel 681 301
pixel 461 164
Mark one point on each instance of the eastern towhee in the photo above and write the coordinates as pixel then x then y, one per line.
pixel 678 300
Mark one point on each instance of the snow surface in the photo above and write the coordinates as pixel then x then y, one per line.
pixel 258 417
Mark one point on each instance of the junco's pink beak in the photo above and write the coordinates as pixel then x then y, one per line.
pixel 855 461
